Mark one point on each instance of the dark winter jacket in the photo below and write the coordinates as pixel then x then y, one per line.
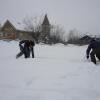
pixel 93 45
pixel 26 43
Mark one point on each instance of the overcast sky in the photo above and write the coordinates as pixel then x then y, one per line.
pixel 84 15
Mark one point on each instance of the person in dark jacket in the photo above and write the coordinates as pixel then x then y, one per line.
pixel 94 47
pixel 26 47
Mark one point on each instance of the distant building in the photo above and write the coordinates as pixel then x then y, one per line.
pixel 45 26
pixel 9 31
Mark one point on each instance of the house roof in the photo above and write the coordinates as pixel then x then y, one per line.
pixel 46 21
pixel 86 37
pixel 18 25
pixel 8 24
pixel 15 25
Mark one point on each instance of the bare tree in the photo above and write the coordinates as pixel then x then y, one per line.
pixel 32 24
pixel 57 34
pixel 73 36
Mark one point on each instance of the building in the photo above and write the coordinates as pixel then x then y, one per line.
pixel 9 31
pixel 45 26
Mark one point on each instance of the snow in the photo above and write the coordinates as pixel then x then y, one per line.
pixel 57 72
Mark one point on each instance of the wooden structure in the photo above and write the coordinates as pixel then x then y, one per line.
pixel 8 31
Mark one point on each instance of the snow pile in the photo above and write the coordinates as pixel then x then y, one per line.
pixel 57 72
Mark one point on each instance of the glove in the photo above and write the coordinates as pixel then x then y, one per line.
pixel 87 57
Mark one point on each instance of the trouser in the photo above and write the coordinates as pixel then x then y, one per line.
pixel 19 54
pixel 32 51
pixel 24 51
pixel 95 53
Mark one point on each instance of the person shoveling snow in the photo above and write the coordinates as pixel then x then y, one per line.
pixel 95 47
pixel 26 46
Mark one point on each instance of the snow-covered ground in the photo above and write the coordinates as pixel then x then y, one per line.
pixel 57 72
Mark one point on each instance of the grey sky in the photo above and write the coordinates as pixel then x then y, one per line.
pixel 84 15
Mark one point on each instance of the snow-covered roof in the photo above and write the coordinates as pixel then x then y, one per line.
pixel 17 25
